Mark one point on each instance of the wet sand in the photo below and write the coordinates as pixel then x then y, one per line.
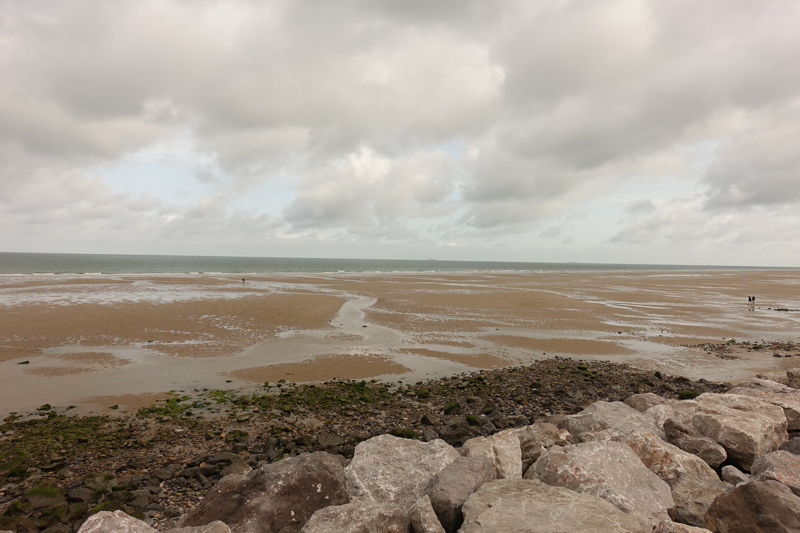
pixel 95 341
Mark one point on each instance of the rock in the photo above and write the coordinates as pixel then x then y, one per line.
pixel 779 466
pixel 791 446
pixel 777 377
pixel 607 421
pixel 140 498
pixel 237 435
pixel 703 447
pixel 327 440
pixel 609 470
pixel 223 457
pixel 693 496
pixel 643 402
pixel 733 475
pixel 507 454
pixel 672 527
pixel 100 482
pixel 82 494
pixel 784 397
pixel 116 522
pixel 450 488
pixel 667 461
pixel 478 447
pixel 280 496
pixel 746 427
pixel 389 469
pixel 693 483
pixel 755 507
pixel 44 497
pixel 537 438
pixel 213 527
pixel 196 471
pixel 431 419
pixel 423 517
pixel 523 505
pixel 359 517
pixel 793 378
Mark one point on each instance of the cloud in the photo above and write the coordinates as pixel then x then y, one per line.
pixel 408 122
pixel 365 189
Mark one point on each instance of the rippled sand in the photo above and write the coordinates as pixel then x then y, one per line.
pixel 95 341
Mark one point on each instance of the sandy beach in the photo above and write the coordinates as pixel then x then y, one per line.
pixel 97 340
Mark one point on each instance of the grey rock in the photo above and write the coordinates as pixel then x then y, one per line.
pixel 223 457
pixel 280 496
pixel 431 419
pixel 328 440
pixel 672 527
pixel 213 527
pixel 100 482
pixel 507 454
pixel 116 522
pixel 784 397
pixel 755 507
pixel 537 438
pixel 779 466
pixel 609 470
pixel 745 426
pixel 793 378
pixel 423 517
pixel 359 517
pixel 643 402
pixel 791 446
pixel 777 377
pixel 450 488
pixel 196 471
pixel 478 446
pixel 703 447
pixel 522 505
pixel 141 498
pixel 83 494
pixel 607 421
pixel 392 470
pixel 733 475
pixel 693 496
pixel 668 462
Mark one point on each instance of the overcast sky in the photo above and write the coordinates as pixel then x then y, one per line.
pixel 628 131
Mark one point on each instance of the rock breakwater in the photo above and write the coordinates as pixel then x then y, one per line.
pixel 633 466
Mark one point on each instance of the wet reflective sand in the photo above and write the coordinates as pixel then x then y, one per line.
pixel 94 341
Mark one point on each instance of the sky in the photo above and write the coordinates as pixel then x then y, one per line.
pixel 630 131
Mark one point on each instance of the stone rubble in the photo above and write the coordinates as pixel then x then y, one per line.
pixel 609 468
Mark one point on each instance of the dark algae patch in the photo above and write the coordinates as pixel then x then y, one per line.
pixel 157 464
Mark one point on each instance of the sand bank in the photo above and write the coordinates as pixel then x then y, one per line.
pixel 90 339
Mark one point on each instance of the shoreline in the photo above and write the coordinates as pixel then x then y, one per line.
pixel 159 443
pixel 89 337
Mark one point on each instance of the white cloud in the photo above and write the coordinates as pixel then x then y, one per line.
pixel 399 122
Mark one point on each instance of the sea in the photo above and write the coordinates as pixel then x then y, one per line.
pixel 50 264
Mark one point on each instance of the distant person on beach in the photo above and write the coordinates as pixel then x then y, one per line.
pixel 242 281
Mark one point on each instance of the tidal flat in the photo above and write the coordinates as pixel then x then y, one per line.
pixel 93 341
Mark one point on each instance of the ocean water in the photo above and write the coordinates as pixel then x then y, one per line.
pixel 36 263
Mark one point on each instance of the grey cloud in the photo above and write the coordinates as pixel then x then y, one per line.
pixel 642 206
pixel 550 98
pixel 369 188
pixel 759 165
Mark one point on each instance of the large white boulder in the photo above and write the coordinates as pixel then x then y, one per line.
pixel 775 393
pixel 745 427
pixel 392 470
pixel 522 505
pixel 609 470
pixel 607 421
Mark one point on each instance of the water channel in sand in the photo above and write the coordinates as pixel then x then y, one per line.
pixel 93 341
